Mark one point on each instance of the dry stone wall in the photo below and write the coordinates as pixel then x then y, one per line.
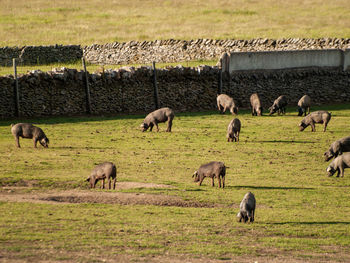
pixel 33 55
pixel 130 90
pixel 172 50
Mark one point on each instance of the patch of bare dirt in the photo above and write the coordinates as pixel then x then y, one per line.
pixel 51 256
pixel 11 194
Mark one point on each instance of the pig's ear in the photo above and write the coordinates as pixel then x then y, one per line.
pixel 88 180
pixel 194 174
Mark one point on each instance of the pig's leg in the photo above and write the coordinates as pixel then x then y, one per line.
pixel 114 182
pixel 156 123
pixel 219 180
pixel 325 126
pixel 219 107
pixel 17 141
pixel 35 140
pixel 170 123
pixel 212 181
pixel 151 126
pixel 338 172
pixel 341 169
pixel 223 182
pixel 313 128
pixel 109 183
pixel 201 180
pixel 103 183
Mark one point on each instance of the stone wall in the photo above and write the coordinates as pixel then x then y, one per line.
pixel 33 55
pixel 130 90
pixel 172 50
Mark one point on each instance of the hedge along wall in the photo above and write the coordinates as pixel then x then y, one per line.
pixel 130 90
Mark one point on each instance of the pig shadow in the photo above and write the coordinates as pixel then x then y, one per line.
pixel 82 148
pixel 196 190
pixel 284 141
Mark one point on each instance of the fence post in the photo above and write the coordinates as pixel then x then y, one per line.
pixel 220 81
pixel 16 89
pixel 87 88
pixel 156 100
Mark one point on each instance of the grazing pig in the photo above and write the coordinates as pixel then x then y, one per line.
pixel 212 170
pixel 29 131
pixel 256 105
pixel 304 105
pixel 233 130
pixel 247 208
pixel 106 170
pixel 158 116
pixel 337 148
pixel 279 105
pixel 320 116
pixel 225 102
pixel 339 164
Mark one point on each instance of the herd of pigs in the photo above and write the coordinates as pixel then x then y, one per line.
pixel 339 149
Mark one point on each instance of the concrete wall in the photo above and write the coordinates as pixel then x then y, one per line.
pixel 346 63
pixel 275 60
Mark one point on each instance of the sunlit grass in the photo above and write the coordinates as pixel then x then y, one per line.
pixel 84 23
pixel 300 210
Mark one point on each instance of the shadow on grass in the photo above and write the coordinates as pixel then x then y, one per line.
pixel 82 148
pixel 141 115
pixel 94 118
pixel 195 190
pixel 311 223
pixel 284 141
pixel 269 187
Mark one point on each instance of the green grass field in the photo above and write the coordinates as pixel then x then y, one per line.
pixel 302 215
pixel 80 22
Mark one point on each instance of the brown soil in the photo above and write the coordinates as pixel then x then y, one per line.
pixel 15 194
pixel 267 257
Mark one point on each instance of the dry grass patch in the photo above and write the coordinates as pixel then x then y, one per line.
pixel 79 22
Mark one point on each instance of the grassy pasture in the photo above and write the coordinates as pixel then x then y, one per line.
pixel 301 213
pixel 42 22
